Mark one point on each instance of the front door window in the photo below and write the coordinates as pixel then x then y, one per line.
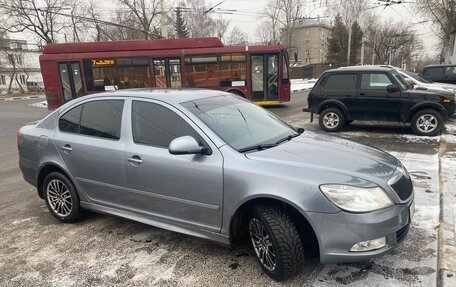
pixel 70 76
pixel 167 73
pixel 265 77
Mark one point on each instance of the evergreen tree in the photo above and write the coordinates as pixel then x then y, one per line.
pixel 179 25
pixel 338 43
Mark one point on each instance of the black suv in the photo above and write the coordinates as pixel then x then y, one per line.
pixel 439 73
pixel 377 93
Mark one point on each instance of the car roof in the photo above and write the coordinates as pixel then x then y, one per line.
pixel 375 68
pixel 439 65
pixel 172 96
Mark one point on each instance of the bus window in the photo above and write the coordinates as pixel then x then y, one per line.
pixel 233 70
pixel 160 73
pixel 175 73
pixel 202 72
pixel 132 72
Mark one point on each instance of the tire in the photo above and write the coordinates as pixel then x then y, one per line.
pixel 61 197
pixel 280 237
pixel 331 120
pixel 427 123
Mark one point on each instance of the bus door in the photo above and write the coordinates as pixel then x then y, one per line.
pixel 70 77
pixel 265 77
pixel 167 73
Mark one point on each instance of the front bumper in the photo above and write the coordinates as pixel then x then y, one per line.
pixel 337 233
pixel 452 117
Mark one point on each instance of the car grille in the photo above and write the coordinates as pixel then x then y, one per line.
pixel 402 233
pixel 403 187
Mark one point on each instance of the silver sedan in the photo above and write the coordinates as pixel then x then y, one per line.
pixel 216 166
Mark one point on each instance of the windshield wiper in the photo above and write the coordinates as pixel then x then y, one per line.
pixel 257 147
pixel 289 137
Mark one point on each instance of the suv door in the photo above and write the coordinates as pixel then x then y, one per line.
pixel 340 87
pixel 182 189
pixel 89 141
pixel 374 102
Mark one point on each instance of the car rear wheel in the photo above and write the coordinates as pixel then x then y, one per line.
pixel 276 242
pixel 61 197
pixel 331 120
pixel 427 123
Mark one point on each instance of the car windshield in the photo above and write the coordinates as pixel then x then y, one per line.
pixel 416 77
pixel 240 123
pixel 400 79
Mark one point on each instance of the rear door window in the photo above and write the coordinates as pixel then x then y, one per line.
pixel 69 122
pixel 451 71
pixel 340 82
pixel 102 118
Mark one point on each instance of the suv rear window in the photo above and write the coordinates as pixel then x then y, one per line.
pixel 340 82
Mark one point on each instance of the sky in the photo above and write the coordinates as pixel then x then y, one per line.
pixel 247 17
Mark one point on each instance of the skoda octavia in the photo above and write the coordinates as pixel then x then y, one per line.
pixel 214 165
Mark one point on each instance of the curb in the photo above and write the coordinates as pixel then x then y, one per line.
pixel 22 98
pixel 446 276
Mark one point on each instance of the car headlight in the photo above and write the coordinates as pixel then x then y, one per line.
pixel 356 199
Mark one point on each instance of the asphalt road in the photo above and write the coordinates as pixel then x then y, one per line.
pixel 103 250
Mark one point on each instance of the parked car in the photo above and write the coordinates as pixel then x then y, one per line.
pixel 214 165
pixel 377 93
pixel 421 83
pixel 439 73
pixel 33 86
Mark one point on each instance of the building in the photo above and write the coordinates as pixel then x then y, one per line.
pixel 21 63
pixel 309 41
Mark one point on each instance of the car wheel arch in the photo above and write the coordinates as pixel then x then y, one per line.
pixel 306 230
pixel 334 104
pixel 46 169
pixel 425 105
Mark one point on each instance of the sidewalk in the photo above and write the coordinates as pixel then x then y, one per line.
pixel 11 97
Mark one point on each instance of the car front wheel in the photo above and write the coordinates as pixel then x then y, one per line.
pixel 276 242
pixel 331 120
pixel 61 197
pixel 427 123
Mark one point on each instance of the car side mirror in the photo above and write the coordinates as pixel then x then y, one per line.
pixel 186 145
pixel 392 88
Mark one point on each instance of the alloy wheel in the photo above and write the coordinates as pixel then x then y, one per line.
pixel 331 120
pixel 427 123
pixel 59 197
pixel 262 244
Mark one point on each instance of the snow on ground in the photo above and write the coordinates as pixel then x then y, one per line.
pixel 42 104
pixel 300 85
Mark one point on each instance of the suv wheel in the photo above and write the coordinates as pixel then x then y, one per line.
pixel 61 197
pixel 427 123
pixel 276 242
pixel 331 120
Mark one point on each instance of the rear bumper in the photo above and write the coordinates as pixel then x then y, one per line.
pixel 307 110
pixel 452 117
pixel 337 233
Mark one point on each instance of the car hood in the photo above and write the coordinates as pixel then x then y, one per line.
pixel 431 91
pixel 333 154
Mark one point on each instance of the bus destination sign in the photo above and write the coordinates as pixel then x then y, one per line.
pixel 102 62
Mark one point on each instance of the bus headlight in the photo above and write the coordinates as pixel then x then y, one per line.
pixel 356 199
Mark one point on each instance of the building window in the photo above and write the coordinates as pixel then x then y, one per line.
pixel 2 80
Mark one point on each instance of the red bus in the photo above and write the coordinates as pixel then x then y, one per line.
pixel 258 73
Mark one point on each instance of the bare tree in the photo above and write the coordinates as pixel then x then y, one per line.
pixel 199 22
pixel 221 27
pixel 144 13
pixel 237 37
pixel 443 14
pixel 42 18
pixel 263 33
pixel 393 40
pixel 271 14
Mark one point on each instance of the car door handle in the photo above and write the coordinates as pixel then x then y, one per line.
pixel 362 93
pixel 135 159
pixel 66 148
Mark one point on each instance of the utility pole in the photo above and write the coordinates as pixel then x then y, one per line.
pixel 163 28
pixel 390 55
pixel 373 52
pixel 349 45
pixel 362 53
